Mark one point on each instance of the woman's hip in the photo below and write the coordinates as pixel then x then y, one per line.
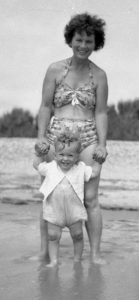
pixel 85 128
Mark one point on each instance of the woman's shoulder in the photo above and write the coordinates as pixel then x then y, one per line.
pixel 58 65
pixel 97 70
pixel 98 73
pixel 56 69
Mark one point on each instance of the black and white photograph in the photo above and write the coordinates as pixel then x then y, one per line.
pixel 69 150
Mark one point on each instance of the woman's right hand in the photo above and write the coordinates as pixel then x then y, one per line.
pixel 42 146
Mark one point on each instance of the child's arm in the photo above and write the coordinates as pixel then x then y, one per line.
pixel 37 160
pixel 96 168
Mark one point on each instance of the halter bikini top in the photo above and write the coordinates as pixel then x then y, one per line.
pixel 84 96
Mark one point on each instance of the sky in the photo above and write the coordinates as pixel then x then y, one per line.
pixel 31 38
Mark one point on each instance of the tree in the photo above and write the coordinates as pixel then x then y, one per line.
pixel 18 123
pixel 129 116
pixel 114 131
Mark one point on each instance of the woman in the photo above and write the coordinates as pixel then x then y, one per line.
pixel 75 90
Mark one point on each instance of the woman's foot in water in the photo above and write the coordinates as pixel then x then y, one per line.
pixel 52 264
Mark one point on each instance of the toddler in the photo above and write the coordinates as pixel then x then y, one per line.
pixel 63 190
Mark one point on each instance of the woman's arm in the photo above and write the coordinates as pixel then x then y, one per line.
pixel 101 117
pixel 47 100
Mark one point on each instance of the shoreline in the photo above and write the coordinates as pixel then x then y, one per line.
pixel 109 202
pixel 114 194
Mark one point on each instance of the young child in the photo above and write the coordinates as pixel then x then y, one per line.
pixel 63 190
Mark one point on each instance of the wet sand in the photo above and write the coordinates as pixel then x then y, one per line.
pixel 21 278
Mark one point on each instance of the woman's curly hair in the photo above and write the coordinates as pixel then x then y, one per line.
pixel 91 24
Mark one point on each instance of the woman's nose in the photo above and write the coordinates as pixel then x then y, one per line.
pixel 83 44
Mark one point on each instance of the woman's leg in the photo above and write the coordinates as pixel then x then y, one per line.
pixel 76 232
pixel 94 222
pixel 43 224
pixel 54 235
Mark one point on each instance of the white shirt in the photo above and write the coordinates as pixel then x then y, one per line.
pixel 77 175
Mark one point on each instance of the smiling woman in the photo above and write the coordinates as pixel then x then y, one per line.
pixel 82 45
pixel 76 88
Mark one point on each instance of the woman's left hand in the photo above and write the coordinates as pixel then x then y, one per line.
pixel 100 154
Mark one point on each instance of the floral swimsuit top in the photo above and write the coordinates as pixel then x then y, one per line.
pixel 84 96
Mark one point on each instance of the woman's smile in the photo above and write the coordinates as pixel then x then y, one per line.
pixel 82 44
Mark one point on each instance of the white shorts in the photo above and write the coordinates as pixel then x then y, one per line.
pixel 63 207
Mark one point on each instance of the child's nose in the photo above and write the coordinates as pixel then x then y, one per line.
pixel 66 157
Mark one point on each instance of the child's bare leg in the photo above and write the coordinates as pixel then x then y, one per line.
pixel 76 232
pixel 44 238
pixel 54 235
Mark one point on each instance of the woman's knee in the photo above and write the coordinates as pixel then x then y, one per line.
pixel 92 203
pixel 91 197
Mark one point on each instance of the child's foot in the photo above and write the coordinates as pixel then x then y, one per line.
pixel 97 259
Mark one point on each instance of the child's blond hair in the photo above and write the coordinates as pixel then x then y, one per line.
pixel 67 137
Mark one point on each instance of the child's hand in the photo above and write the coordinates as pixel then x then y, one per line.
pixel 42 148
pixel 100 154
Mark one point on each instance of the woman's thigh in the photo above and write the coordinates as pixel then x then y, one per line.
pixel 87 154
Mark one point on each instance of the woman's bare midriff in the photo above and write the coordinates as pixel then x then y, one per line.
pixel 73 112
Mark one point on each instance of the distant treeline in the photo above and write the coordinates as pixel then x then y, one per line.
pixel 123 122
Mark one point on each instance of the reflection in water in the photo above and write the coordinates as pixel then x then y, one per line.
pixel 71 282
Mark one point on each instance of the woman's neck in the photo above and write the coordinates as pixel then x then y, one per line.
pixel 79 63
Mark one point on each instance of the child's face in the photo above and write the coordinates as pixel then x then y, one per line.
pixel 67 156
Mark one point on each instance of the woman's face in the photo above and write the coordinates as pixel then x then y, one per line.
pixel 82 44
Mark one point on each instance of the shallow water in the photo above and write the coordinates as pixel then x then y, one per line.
pixel 119 185
pixel 22 278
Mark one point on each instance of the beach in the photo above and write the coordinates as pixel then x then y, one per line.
pixel 21 277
